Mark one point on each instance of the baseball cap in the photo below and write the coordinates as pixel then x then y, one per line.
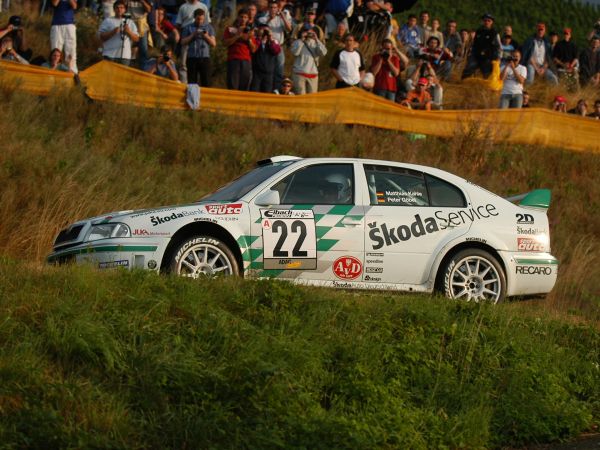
pixel 487 16
pixel 423 81
pixel 310 11
pixel 560 99
pixel 567 31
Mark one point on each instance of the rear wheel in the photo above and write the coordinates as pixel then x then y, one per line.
pixel 203 256
pixel 474 275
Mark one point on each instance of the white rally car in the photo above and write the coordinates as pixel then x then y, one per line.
pixel 338 222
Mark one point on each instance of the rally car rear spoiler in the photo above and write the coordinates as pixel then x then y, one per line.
pixel 538 198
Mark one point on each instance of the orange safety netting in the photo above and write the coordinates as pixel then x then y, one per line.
pixel 112 82
pixel 33 79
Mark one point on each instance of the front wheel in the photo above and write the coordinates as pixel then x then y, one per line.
pixel 474 275
pixel 203 256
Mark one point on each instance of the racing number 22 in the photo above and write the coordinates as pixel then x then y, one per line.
pixel 279 226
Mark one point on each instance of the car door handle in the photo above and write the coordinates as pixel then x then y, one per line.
pixel 350 222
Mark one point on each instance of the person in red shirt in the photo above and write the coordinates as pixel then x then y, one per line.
pixel 386 67
pixel 164 31
pixel 240 43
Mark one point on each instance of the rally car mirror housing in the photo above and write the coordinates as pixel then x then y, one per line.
pixel 268 198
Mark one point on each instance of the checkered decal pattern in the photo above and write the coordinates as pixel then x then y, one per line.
pixel 329 229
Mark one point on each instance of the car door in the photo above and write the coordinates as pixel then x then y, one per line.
pixel 316 232
pixel 411 215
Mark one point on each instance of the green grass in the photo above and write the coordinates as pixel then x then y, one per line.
pixel 136 360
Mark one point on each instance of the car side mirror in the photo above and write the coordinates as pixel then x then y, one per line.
pixel 268 198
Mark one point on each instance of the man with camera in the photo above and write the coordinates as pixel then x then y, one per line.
pixel 62 32
pixel 264 60
pixel 14 30
pixel 307 49
pixel 185 17
pixel 513 74
pixel 241 43
pixel 199 37
pixel 8 53
pixel 385 66
pixel 164 66
pixel 117 34
pixel 279 24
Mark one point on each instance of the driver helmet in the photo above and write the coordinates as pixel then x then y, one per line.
pixel 343 186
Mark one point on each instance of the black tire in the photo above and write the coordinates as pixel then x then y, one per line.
pixel 203 256
pixel 474 274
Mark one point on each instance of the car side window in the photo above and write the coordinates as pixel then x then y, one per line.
pixel 321 184
pixel 444 194
pixel 396 186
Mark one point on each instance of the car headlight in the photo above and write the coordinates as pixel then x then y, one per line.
pixel 108 230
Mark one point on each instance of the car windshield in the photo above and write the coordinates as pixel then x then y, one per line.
pixel 241 186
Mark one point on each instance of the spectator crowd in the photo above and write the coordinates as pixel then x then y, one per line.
pixel 411 63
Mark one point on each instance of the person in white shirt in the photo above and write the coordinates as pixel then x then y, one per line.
pixel 347 65
pixel 117 34
pixel 513 75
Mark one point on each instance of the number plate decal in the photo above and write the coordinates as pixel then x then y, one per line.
pixel 289 239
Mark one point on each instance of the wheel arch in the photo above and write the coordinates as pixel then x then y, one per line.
pixel 439 271
pixel 205 229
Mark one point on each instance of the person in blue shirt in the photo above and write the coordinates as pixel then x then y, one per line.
pixel 410 36
pixel 199 37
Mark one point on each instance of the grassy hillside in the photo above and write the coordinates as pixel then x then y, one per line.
pixel 523 16
pixel 135 360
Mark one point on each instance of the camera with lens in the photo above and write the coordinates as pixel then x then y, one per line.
pixel 246 29
pixel 166 57
pixel 127 16
pixel 385 54
pixel 514 59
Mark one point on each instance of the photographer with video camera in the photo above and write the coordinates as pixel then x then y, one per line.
pixel 385 66
pixel 117 34
pixel 240 43
pixel 164 66
pixel 307 49
pixel 199 37
pixel 513 74
pixel 264 60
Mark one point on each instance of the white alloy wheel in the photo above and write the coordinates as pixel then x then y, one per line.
pixel 474 275
pixel 203 256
